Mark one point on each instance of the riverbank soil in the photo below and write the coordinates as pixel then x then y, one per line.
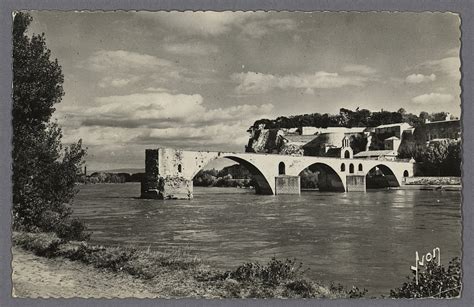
pixel 39 277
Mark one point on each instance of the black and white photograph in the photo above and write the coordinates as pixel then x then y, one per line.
pixel 236 154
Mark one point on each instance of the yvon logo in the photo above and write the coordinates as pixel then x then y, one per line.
pixel 428 257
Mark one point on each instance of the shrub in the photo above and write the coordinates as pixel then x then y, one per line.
pixel 275 279
pixel 436 282
pixel 72 229
pixel 354 292
pixel 41 244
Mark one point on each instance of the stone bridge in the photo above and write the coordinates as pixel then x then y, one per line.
pixel 169 172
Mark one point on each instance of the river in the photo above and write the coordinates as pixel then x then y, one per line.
pixel 363 239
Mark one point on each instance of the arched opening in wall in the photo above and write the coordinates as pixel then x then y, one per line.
pixel 351 168
pixel 360 167
pixel 405 173
pixel 347 154
pixel 343 167
pixel 180 168
pixel 281 168
pixel 322 177
pixel 381 176
pixel 236 172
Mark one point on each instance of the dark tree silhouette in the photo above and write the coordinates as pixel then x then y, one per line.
pixel 44 171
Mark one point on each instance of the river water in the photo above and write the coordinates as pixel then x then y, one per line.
pixel 364 239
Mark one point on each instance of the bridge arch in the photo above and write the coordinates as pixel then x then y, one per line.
pixel 262 186
pixel 381 176
pixel 328 178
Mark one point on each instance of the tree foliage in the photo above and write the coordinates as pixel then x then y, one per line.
pixel 435 281
pixel 440 158
pixel 44 170
pixel 349 118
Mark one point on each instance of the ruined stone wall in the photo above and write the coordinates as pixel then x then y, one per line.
pixel 149 185
pixel 292 150
pixel 438 130
pixel 265 141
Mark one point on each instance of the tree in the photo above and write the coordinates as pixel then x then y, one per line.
pixel 434 156
pixel 44 171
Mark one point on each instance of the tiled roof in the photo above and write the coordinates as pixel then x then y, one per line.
pixel 296 138
pixel 392 125
pixel 375 153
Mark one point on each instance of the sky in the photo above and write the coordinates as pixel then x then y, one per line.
pixel 198 80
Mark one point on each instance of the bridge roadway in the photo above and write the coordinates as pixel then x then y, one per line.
pixel 169 172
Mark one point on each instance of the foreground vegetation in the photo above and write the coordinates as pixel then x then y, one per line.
pixel 193 277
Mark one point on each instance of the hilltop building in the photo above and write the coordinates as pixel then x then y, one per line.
pixel 383 142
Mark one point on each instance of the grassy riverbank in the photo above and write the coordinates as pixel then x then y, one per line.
pixel 42 263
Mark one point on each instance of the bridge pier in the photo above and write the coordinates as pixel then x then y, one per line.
pixel 159 182
pixel 355 183
pixel 285 184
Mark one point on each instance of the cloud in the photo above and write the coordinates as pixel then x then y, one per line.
pixel 119 68
pixel 255 83
pixel 420 78
pixel 432 98
pixel 248 24
pixel 453 52
pixel 191 48
pixel 117 82
pixel 259 28
pixel 164 118
pixel 130 118
pixel 205 23
pixel 157 89
pixel 104 60
pixel 218 135
pixel 360 69
pixel 449 65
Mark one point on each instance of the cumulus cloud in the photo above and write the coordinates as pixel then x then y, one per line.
pixel 248 24
pixel 104 60
pixel 216 135
pixel 157 117
pixel 191 48
pixel 117 82
pixel 360 69
pixel 449 65
pixel 119 68
pixel 433 98
pixel 158 107
pixel 207 23
pixel 259 28
pixel 420 78
pixel 453 52
pixel 255 83
pixel 157 89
